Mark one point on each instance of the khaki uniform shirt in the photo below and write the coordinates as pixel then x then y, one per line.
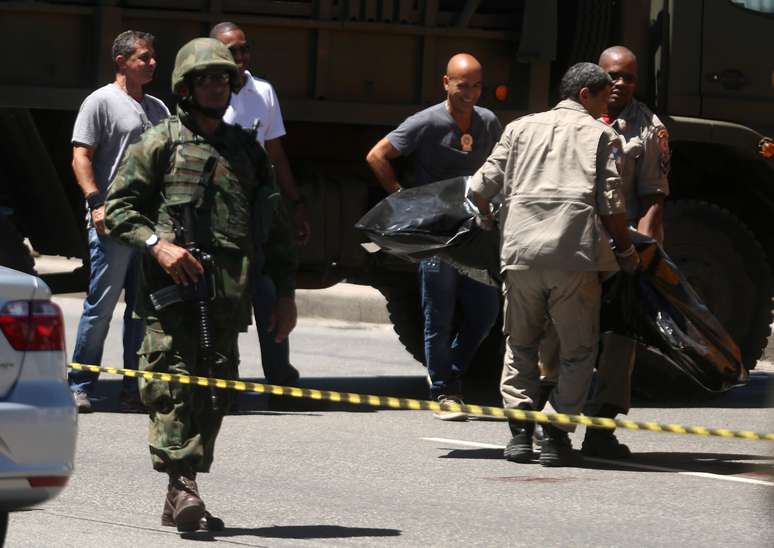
pixel 557 171
pixel 646 158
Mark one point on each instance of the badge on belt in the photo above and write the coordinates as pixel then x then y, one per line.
pixel 663 148
pixel 467 142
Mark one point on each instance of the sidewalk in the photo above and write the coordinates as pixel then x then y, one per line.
pixel 346 302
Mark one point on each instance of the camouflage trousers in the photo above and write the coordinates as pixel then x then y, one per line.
pixel 183 423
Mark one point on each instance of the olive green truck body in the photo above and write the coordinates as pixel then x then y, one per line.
pixel 348 71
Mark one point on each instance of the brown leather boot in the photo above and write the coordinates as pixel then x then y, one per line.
pixel 184 503
pixel 207 522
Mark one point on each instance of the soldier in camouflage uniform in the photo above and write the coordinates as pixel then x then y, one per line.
pixel 239 222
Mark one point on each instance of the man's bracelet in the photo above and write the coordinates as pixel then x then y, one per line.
pixel 628 253
pixel 95 200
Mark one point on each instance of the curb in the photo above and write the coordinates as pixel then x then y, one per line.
pixel 347 302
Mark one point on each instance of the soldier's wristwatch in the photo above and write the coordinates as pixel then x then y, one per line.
pixel 152 240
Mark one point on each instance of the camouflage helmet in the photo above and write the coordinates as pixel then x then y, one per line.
pixel 200 54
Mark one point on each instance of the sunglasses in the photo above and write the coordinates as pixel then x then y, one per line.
pixel 203 79
pixel 239 50
pixel 627 77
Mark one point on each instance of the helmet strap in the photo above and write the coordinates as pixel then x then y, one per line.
pixel 189 103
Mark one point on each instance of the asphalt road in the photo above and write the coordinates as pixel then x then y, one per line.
pixel 314 474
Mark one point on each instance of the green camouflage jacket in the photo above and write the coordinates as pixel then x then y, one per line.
pixel 241 218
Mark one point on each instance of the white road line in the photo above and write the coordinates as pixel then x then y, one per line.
pixel 624 463
pixel 466 443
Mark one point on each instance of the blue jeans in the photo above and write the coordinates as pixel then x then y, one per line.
pixel 114 267
pixel 448 352
pixel 275 357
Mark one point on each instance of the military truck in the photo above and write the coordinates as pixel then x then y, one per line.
pixel 348 71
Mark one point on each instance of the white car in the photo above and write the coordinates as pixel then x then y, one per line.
pixel 38 419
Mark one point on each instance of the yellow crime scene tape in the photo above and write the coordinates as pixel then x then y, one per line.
pixel 427 405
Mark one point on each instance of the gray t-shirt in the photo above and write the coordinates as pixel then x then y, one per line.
pixel 434 140
pixel 108 121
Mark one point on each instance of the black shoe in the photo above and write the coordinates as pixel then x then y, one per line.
pixel 555 447
pixel 519 449
pixel 602 443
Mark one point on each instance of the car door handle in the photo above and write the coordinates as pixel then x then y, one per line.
pixel 729 78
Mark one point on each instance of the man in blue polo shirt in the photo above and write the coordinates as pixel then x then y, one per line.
pixel 450 139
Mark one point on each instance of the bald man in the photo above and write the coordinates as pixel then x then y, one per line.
pixel 646 144
pixel 450 139
pixel 644 171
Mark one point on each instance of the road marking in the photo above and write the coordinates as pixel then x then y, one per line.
pixel 624 463
pixel 466 443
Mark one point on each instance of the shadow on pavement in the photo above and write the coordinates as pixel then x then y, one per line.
pixel 109 388
pixel 295 532
pixel 711 463
pixel 487 453
pixel 756 394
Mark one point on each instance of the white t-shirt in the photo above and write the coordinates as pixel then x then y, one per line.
pixel 256 101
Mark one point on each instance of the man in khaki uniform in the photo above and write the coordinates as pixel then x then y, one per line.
pixel 644 170
pixel 558 172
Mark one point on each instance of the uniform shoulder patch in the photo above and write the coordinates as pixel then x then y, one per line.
pixel 616 153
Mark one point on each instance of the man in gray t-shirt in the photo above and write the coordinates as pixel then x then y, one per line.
pixel 109 120
pixel 447 140
pixel 434 140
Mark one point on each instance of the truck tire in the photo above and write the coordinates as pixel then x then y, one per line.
pixel 726 266
pixel 3 526
pixel 13 253
pixel 481 382
pixel 404 310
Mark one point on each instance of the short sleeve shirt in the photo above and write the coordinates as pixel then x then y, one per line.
pixel 434 141
pixel 646 159
pixel 256 102
pixel 110 120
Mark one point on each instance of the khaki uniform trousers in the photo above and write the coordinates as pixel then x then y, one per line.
pixel 572 301
pixel 183 425
pixel 614 369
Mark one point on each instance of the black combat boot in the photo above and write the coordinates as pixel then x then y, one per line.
pixel 544 394
pixel 519 449
pixel 555 447
pixel 601 442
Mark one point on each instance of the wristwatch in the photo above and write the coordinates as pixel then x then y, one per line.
pixel 95 200
pixel 152 240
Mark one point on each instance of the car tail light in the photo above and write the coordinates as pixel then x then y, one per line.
pixel 32 325
pixel 48 481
